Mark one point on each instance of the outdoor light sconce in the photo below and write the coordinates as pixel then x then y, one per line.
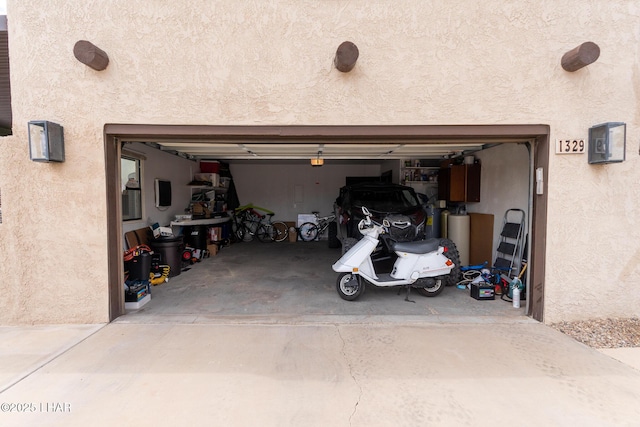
pixel 607 143
pixel 46 141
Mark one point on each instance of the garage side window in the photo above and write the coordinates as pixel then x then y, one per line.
pixel 131 188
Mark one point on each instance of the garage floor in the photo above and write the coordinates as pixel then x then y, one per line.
pixel 284 282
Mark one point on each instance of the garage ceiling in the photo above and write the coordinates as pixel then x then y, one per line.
pixel 343 142
pixel 269 151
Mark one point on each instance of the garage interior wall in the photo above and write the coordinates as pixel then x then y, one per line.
pixel 161 165
pixel 255 63
pixel 273 185
pixel 290 188
pixel 504 185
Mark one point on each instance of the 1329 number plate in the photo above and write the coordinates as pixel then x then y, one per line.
pixel 570 146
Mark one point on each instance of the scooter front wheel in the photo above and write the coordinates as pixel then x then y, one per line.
pixel 349 286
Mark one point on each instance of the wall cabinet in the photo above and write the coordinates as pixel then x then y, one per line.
pixel 459 183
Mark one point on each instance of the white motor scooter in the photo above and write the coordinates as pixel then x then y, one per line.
pixel 424 264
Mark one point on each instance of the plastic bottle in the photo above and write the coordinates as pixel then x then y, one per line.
pixel 516 296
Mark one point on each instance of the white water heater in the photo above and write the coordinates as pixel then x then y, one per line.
pixel 459 232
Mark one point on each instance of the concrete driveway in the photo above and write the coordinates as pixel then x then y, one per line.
pixel 302 374
pixel 282 349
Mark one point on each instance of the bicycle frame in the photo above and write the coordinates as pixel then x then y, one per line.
pixel 310 231
pixel 323 222
pixel 249 222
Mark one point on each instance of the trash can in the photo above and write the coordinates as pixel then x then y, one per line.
pixel 196 236
pixel 139 267
pixel 170 250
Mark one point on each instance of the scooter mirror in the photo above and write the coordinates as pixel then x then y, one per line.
pixel 386 223
pixel 365 211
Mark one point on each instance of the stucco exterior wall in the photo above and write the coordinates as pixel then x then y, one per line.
pixel 270 62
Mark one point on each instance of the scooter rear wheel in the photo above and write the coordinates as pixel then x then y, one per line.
pixel 349 286
pixel 434 290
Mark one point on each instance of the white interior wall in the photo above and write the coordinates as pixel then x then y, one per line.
pixel 290 188
pixel 165 166
pixel 504 184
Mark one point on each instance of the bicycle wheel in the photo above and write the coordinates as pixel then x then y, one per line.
pixel 266 233
pixel 237 231
pixel 308 231
pixel 281 231
pixel 249 229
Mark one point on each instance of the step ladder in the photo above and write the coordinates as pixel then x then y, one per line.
pixel 508 260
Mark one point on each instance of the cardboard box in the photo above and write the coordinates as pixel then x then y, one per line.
pixel 161 231
pixel 480 239
pixel 291 228
pixel 215 234
pixel 213 250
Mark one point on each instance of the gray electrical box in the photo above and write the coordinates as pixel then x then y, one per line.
pixel 607 143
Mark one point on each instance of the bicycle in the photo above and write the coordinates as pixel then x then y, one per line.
pixel 310 231
pixel 248 222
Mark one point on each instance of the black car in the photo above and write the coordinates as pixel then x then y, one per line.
pixel 384 200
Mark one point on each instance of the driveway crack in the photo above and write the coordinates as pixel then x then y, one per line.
pixel 353 377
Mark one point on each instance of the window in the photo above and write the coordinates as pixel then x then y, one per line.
pixel 131 188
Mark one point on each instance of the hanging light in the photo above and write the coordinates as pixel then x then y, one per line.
pixel 317 161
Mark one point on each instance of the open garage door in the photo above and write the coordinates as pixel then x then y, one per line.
pixel 332 143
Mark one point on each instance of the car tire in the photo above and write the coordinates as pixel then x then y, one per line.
pixel 333 235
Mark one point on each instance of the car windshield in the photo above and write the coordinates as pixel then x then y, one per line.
pixel 385 200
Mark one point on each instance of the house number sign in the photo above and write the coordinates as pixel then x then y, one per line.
pixel 570 146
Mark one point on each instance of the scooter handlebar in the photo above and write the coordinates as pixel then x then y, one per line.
pixel 368 222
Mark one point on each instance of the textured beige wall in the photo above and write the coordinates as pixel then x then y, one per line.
pixel 270 62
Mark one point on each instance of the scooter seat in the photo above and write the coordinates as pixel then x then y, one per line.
pixel 417 247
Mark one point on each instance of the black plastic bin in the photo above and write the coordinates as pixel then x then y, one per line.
pixel 196 236
pixel 170 250
pixel 139 267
